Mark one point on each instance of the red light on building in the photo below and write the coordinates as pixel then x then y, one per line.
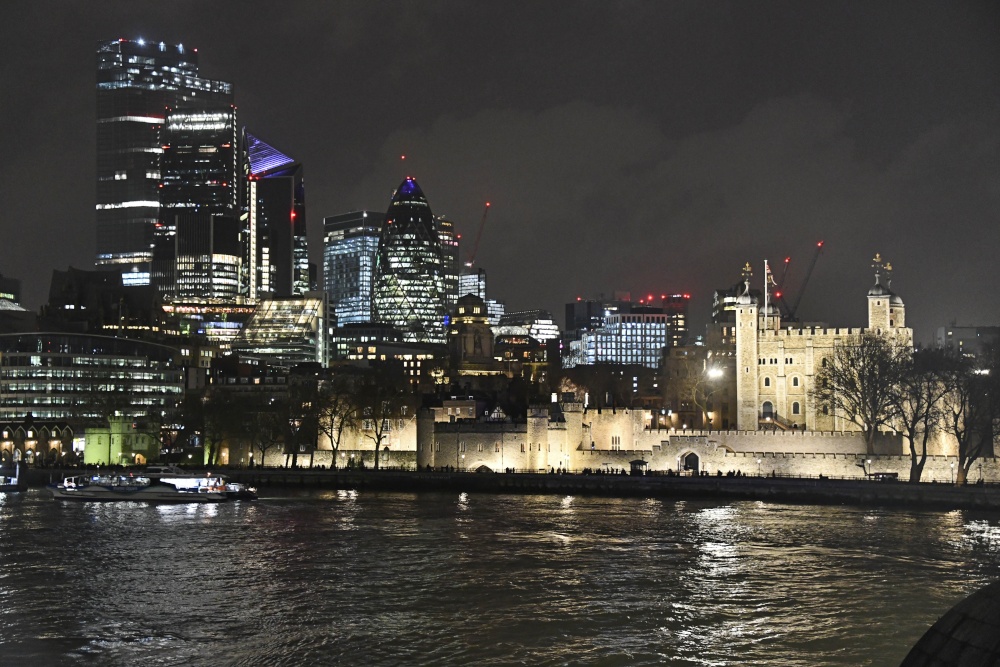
pixel 402 157
pixel 687 296
pixel 293 215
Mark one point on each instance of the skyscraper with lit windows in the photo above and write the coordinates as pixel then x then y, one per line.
pixel 409 291
pixel 137 81
pixel 276 245
pixel 196 253
pixel 350 242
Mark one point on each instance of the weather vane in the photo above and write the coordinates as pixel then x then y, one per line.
pixel 747 275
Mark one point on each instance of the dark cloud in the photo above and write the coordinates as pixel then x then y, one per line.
pixel 647 146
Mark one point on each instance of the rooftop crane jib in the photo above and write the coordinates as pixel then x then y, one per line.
pixel 805 281
pixel 475 248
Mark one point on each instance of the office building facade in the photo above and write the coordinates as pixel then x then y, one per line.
pixel 276 246
pixel 350 242
pixel 137 81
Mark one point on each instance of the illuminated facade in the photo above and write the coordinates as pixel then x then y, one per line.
pixel 473 283
pixel 409 291
pixel 449 262
pixel 136 81
pixel 350 242
pixel 277 261
pixel 287 331
pixel 777 364
pixel 535 323
pixel 634 338
pixel 197 255
pixel 219 324
pixel 77 377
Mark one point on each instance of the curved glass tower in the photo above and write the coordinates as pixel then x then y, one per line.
pixel 408 290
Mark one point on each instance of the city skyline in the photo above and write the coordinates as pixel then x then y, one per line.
pixel 640 147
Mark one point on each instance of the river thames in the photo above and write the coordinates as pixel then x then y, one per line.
pixel 348 578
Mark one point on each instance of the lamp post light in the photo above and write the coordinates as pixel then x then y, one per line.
pixel 758 467
pixel 952 472
pixel 463 462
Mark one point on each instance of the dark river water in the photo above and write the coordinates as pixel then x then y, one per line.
pixel 345 578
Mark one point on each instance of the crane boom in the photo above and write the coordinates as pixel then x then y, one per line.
pixel 805 281
pixel 479 235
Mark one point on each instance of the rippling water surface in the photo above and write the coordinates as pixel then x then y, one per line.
pixel 442 579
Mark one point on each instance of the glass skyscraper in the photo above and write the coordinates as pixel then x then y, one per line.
pixel 196 256
pixel 137 81
pixel 276 244
pixel 409 291
pixel 350 242
pixel 450 264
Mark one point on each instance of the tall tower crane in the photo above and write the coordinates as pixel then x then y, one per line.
pixel 475 248
pixel 805 281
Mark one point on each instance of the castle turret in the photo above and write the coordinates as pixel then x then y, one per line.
pixel 885 309
pixel 746 356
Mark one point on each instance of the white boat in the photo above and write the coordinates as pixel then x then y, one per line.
pixel 142 488
pixel 234 490
pixel 9 484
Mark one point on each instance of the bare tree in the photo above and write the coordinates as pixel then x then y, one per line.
pixel 263 427
pixel 222 419
pixel 383 401
pixel 917 403
pixel 859 381
pixel 336 410
pixel 970 408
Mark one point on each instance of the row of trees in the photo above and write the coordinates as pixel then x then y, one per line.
pixel 879 384
pixel 371 402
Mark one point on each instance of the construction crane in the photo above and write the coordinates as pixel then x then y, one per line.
pixel 475 248
pixel 805 281
pixel 779 294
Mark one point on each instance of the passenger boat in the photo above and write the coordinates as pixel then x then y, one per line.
pixel 9 484
pixel 178 476
pixel 142 488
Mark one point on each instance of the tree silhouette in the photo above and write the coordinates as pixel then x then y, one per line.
pixel 860 379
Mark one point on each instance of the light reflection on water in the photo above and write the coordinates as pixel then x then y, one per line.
pixel 342 577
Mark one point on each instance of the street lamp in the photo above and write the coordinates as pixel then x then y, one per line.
pixel 952 472
pixel 758 467
pixel 463 462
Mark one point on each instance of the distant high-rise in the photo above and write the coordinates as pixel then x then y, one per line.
pixel 350 242
pixel 449 259
pixel 137 81
pixel 675 306
pixel 275 227
pixel 409 289
pixel 473 283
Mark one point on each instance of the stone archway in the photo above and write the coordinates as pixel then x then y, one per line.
pixel 691 462
pixel 767 410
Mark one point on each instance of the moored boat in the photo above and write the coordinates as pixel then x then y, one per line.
pixel 9 484
pixel 142 488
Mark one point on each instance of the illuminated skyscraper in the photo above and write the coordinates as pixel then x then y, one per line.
pixel 136 82
pixel 275 227
pixel 198 260
pixel 409 289
pixel 350 242
pixel 449 259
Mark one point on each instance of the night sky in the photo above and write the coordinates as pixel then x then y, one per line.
pixel 643 146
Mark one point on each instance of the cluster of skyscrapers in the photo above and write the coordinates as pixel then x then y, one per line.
pixel 187 202
pixel 213 220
